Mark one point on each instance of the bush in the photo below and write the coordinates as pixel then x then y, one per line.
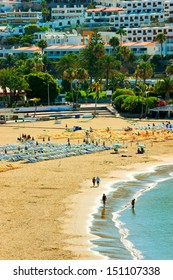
pixel 170 101
pixel 131 104
pixel 119 100
pixel 122 91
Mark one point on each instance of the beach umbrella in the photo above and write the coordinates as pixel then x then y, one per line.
pixel 141 145
pixel 117 145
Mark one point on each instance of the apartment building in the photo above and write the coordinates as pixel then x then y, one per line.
pixel 66 17
pixel 67 12
pixel 148 33
pixel 55 52
pixel 16 18
pixel 7 5
pixel 27 50
pixel 103 15
pixel 61 38
pixel 128 14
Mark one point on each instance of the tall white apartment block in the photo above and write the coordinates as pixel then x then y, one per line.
pixel 142 20
pixel 23 18
pixel 67 12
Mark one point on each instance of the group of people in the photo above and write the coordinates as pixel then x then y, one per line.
pixel 96 181
pixel 25 137
pixel 104 198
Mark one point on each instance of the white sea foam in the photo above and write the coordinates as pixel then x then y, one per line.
pixel 123 231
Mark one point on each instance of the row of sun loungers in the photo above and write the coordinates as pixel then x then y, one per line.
pixel 30 152
pixel 168 127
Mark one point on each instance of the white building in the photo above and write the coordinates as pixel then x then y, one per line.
pixel 16 18
pixel 27 50
pixel 67 12
pixel 147 33
pixel 61 38
pixel 7 5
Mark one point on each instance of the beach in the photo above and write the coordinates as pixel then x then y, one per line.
pixel 46 207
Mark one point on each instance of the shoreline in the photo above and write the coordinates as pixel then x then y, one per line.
pixel 92 207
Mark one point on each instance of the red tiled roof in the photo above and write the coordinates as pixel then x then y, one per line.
pixel 32 48
pixel 147 44
pixel 113 9
pixel 110 9
pixel 66 47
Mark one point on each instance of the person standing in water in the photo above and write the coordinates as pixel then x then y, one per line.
pixel 133 203
pixel 104 199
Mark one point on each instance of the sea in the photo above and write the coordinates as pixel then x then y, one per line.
pixel 142 233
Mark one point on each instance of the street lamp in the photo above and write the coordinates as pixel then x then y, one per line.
pixel 48 94
pixel 146 109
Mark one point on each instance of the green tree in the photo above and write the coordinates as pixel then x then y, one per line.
pixel 81 76
pixel 161 38
pixel 42 44
pixel 145 57
pixel 69 75
pixel 122 33
pixel 43 86
pixel 109 65
pixel 122 91
pixel 114 42
pixel 169 68
pixel 5 75
pixel 89 57
pixel 43 4
pixel 9 78
pixel 10 60
pixel 45 13
pixel 142 88
pixel 96 87
pixel 144 70
pixel 166 87
pixel 65 62
pixel 31 29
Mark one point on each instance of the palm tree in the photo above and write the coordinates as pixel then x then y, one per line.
pixel 114 42
pixel 45 13
pixel 109 64
pixel 166 86
pixel 144 71
pixel 81 75
pixel 161 38
pixel 69 75
pixel 65 62
pixel 145 57
pixel 122 80
pixel 35 100
pixel 96 86
pixel 141 89
pixel 169 68
pixel 122 33
pixel 42 44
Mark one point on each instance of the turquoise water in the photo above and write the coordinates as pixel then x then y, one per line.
pixel 146 232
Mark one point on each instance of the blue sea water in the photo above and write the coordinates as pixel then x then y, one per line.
pixel 145 232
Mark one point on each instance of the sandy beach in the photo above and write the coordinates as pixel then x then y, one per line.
pixel 46 207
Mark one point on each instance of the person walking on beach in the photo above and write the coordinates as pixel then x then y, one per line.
pixel 93 181
pixel 133 203
pixel 98 181
pixel 104 199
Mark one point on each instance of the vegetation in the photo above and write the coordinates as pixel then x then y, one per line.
pixel 88 75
